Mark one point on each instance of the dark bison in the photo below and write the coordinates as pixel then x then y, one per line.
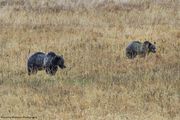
pixel 41 61
pixel 137 48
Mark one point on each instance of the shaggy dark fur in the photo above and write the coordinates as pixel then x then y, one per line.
pixel 49 62
pixel 137 48
pixel 35 62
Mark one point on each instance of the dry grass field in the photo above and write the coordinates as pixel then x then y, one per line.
pixel 99 83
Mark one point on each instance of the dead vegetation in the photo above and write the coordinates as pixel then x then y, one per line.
pixel 99 82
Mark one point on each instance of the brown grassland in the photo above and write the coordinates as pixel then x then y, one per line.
pixel 99 83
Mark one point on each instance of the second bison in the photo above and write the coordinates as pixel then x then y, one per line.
pixel 137 48
pixel 48 62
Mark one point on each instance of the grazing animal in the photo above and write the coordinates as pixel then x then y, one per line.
pixel 41 61
pixel 137 48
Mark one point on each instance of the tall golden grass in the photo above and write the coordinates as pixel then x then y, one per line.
pixel 99 82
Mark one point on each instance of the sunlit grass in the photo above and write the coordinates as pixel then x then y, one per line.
pixel 99 81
